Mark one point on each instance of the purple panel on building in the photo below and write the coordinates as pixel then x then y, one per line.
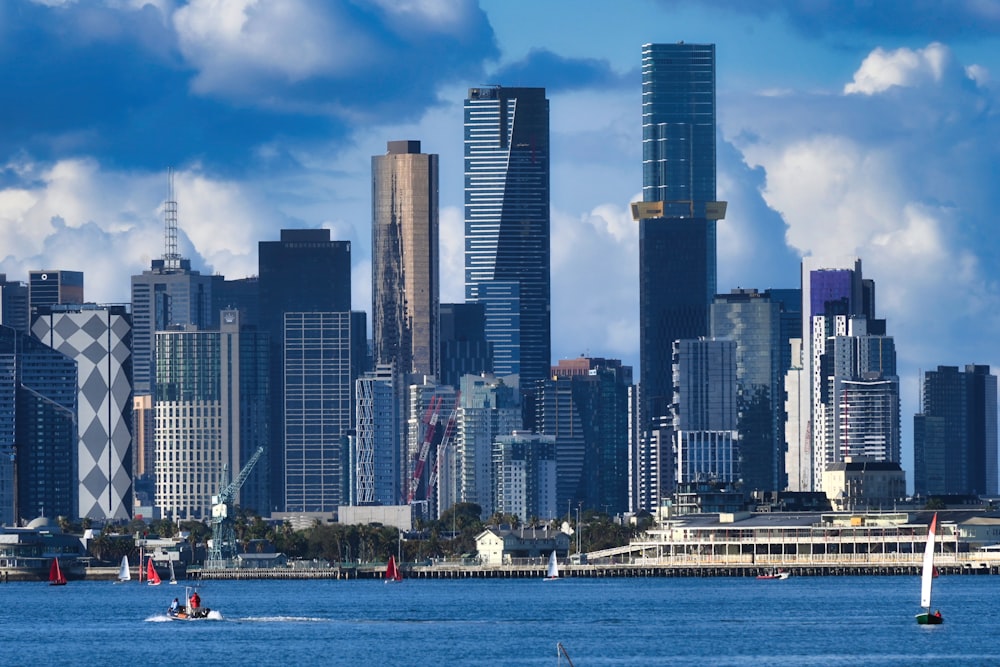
pixel 827 285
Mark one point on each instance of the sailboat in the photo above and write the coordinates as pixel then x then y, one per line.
pixel 927 579
pixel 153 579
pixel 123 572
pixel 56 577
pixel 392 572
pixel 173 577
pixel 552 571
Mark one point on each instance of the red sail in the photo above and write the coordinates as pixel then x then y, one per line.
pixel 56 577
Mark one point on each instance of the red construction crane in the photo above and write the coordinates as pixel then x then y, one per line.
pixel 431 419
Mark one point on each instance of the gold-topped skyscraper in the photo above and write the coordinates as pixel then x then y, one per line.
pixel 405 271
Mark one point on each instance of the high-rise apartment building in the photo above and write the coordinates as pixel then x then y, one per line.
pixel 955 434
pixel 754 320
pixel 705 433
pixel 678 213
pixel 584 406
pixel 507 257
pixel 405 272
pixel 829 288
pixel 377 452
pixel 524 467
pixel 489 407
pixel 211 416
pixel 98 338
pixel 303 272
pixel 38 435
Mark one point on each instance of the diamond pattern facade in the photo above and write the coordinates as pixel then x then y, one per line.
pixel 99 339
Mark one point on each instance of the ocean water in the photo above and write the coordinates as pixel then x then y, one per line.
pixel 801 621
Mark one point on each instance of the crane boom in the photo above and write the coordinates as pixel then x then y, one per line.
pixel 223 536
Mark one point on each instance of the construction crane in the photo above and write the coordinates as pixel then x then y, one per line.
pixel 223 508
pixel 449 431
pixel 431 419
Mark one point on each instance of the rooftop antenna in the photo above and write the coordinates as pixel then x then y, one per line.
pixel 171 258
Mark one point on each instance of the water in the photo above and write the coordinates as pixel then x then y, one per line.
pixel 802 621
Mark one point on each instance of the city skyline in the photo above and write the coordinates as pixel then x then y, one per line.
pixel 837 137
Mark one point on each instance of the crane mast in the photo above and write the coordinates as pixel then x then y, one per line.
pixel 223 549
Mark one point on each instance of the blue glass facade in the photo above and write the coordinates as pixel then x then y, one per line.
pixel 677 252
pixel 507 255
pixel 38 409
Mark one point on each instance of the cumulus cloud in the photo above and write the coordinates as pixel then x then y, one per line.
pixel 901 180
pixel 882 69
pixel 78 215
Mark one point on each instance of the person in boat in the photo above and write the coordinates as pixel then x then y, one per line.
pixel 174 606
pixel 195 601
pixel 937 613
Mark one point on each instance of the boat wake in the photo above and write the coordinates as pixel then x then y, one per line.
pixel 163 618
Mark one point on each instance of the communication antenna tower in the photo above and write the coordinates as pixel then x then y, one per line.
pixel 171 258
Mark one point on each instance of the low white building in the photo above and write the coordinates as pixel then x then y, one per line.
pixel 499 546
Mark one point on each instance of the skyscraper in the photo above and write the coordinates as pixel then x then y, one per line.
pixel 507 255
pixel 98 338
pixel 704 419
pixel 955 434
pixel 599 390
pixel 678 212
pixel 211 415
pixel 38 435
pixel 754 320
pixel 304 272
pixel 169 294
pixel 405 282
pixel 320 367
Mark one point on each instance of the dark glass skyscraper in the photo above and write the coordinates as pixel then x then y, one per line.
pixel 955 434
pixel 304 272
pixel 507 225
pixel 677 256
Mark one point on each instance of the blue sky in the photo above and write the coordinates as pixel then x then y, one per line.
pixel 845 128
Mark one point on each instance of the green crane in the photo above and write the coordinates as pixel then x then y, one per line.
pixel 223 549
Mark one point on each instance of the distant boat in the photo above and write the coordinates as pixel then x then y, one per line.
pixel 552 571
pixel 123 572
pixel 153 579
pixel 173 578
pixel 775 574
pixel 392 572
pixel 927 580
pixel 56 577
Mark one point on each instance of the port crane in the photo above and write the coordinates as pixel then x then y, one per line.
pixel 223 509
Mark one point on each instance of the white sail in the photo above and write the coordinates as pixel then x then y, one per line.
pixel 553 569
pixel 927 576
pixel 123 572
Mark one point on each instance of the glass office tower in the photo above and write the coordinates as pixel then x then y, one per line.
pixel 507 225
pixel 677 217
pixel 405 282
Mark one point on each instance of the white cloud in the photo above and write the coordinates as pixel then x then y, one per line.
pixel 882 69
pixel 235 42
pixel 76 215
